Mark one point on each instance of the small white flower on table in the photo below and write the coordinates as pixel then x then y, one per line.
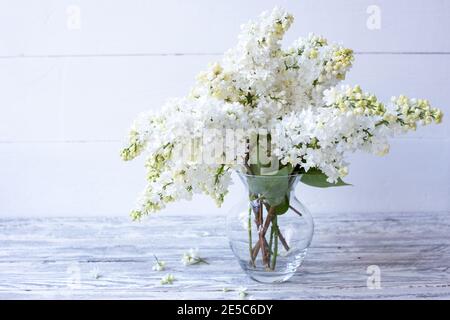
pixel 159 265
pixel 168 279
pixel 192 257
pixel 242 291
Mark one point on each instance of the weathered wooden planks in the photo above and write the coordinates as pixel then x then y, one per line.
pixel 43 258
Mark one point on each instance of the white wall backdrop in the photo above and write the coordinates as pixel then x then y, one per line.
pixel 74 74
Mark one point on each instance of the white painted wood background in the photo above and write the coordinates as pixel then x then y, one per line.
pixel 69 94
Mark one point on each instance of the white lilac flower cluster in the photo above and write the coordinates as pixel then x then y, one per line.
pixel 259 85
pixel 350 120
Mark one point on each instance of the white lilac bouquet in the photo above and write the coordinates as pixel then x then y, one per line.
pixel 266 110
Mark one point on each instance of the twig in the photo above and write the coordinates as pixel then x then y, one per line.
pixel 258 222
pixel 296 211
pixel 262 233
pixel 255 250
pixel 268 220
pixel 250 245
pixel 262 239
pixel 275 250
pixel 282 239
pixel 271 241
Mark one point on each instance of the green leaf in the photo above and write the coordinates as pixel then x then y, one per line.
pixel 281 171
pixel 316 178
pixel 283 207
pixel 273 187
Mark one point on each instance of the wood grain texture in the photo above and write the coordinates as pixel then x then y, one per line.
pixel 39 258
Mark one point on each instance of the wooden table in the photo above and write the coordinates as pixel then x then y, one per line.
pixel 106 258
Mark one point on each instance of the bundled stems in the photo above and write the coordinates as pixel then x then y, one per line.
pixel 269 250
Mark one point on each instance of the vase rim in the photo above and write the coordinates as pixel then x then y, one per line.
pixel 267 176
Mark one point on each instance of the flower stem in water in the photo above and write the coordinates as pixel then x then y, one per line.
pixel 250 246
pixel 275 249
pixel 271 241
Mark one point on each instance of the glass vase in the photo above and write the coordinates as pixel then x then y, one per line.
pixel 270 230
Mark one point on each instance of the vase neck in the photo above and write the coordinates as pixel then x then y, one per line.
pixel 290 180
pixel 269 186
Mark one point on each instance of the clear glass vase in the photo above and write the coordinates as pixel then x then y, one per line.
pixel 270 230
